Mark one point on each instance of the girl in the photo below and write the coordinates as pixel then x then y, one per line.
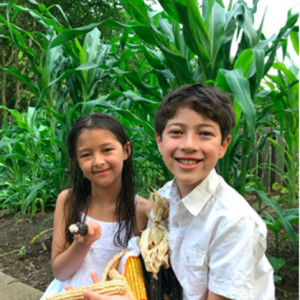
pixel 103 196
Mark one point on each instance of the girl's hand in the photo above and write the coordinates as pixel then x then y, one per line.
pixel 93 234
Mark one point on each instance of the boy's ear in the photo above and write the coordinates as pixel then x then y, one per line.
pixel 126 150
pixel 224 146
pixel 158 140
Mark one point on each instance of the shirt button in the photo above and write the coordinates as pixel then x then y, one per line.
pixel 176 225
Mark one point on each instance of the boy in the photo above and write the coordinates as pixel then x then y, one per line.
pixel 217 241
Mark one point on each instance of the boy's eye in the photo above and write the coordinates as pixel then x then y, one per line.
pixel 175 131
pixel 205 133
pixel 107 149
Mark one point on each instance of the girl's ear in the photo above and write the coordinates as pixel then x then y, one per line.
pixel 126 150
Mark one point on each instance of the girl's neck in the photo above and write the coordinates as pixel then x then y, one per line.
pixel 102 203
pixel 106 194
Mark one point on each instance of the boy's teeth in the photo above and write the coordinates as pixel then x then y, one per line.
pixel 188 162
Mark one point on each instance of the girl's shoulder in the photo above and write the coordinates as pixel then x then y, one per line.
pixel 63 196
pixel 143 209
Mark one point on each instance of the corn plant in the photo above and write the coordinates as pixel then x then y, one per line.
pixel 63 72
pixel 29 171
pixel 187 43
pixel 284 108
pixel 281 218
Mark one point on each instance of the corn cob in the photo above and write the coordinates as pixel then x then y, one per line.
pixel 80 228
pixel 134 276
pixel 113 287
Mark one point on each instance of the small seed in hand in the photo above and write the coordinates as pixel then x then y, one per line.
pixel 80 228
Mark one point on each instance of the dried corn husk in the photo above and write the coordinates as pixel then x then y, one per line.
pixel 154 240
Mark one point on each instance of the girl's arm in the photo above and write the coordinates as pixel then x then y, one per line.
pixel 66 258
pixel 143 208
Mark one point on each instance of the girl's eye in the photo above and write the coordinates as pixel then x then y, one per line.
pixel 84 155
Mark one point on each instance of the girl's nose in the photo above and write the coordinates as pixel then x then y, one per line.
pixel 98 160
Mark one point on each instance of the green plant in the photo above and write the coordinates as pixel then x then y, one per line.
pixel 284 108
pixel 277 218
pixel 275 226
pixel 37 236
pixel 189 43
pixel 277 263
pixel 21 252
pixel 29 172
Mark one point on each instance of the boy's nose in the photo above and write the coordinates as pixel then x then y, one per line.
pixel 189 142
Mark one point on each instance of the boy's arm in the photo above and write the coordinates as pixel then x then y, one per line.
pixel 213 296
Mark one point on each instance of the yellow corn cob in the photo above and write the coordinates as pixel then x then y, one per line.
pixel 134 276
pixel 113 287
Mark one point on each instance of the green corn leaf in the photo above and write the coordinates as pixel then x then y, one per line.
pixel 295 41
pixel 244 61
pixel 70 34
pixel 277 209
pixel 137 10
pixel 276 262
pixel 239 86
pixel 22 78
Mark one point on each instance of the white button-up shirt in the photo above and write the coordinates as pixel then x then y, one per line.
pixel 217 242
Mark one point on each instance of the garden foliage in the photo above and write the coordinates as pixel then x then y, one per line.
pixel 155 51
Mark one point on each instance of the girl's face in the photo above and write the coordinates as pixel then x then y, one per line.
pixel 191 145
pixel 101 156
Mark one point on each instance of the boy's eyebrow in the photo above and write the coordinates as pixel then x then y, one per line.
pixel 184 125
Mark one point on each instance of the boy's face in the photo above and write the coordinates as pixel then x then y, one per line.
pixel 191 146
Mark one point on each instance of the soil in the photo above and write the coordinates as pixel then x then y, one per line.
pixel 34 268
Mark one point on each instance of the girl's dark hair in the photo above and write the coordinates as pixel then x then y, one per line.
pixel 81 187
pixel 205 100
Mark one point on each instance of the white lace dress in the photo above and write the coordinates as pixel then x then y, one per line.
pixel 96 259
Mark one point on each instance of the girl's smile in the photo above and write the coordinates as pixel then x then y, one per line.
pixel 100 157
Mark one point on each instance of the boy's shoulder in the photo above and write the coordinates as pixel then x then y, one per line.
pixel 215 193
pixel 167 189
pixel 233 205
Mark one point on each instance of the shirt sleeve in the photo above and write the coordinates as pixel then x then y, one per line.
pixel 234 253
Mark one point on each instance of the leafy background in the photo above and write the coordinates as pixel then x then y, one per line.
pixel 61 61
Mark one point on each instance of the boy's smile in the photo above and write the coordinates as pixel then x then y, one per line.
pixel 191 145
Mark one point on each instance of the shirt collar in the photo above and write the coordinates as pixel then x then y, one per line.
pixel 201 194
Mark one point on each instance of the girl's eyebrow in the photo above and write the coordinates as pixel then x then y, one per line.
pixel 101 145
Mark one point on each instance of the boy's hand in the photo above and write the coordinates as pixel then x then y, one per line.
pixel 93 234
pixel 90 295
